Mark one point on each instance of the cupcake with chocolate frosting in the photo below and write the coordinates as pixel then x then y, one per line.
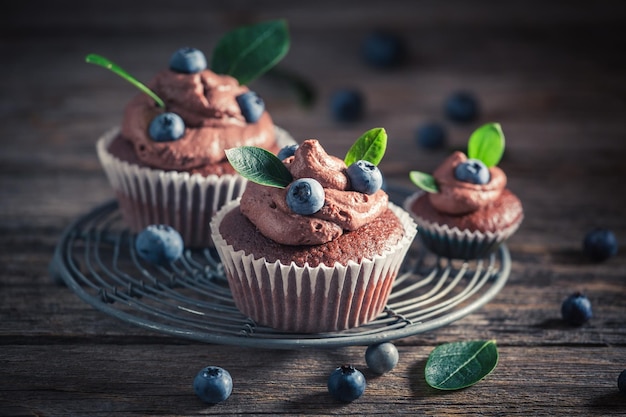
pixel 464 210
pixel 166 162
pixel 313 245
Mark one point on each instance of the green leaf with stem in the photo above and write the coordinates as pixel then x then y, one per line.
pixel 259 165
pixel 424 181
pixel 106 63
pixel 487 144
pixel 247 52
pixel 457 365
pixel 370 147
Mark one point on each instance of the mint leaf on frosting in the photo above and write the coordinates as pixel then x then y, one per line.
pixel 424 181
pixel 247 52
pixel 259 165
pixel 370 147
pixel 487 144
pixel 110 65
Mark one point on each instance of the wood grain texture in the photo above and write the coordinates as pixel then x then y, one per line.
pixel 551 72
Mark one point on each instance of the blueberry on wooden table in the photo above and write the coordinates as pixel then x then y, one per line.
pixel 576 309
pixel 346 383
pixel 383 49
pixel 461 106
pixel 430 135
pixel 600 244
pixel 347 105
pixel 213 384
pixel 381 357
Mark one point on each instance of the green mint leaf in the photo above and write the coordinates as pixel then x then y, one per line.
pixel 259 165
pixel 249 51
pixel 424 181
pixel 106 63
pixel 370 147
pixel 487 144
pixel 457 365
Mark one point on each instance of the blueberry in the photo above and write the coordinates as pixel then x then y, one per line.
pixel 213 384
pixel 166 127
pixel 159 244
pixel 287 151
pixel 621 382
pixel 188 61
pixel 305 196
pixel 472 170
pixel 383 49
pixel 576 309
pixel 346 383
pixel 252 106
pixel 381 357
pixel 365 177
pixel 347 105
pixel 431 135
pixel 461 106
pixel 600 244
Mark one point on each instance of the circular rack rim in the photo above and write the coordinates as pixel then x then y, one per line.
pixel 401 318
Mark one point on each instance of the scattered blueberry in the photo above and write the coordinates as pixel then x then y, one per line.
pixel 287 151
pixel 365 177
pixel 213 384
pixel 381 357
pixel 166 127
pixel 252 106
pixel 461 106
pixel 159 244
pixel 188 61
pixel 305 196
pixel 576 309
pixel 621 382
pixel 473 170
pixel 347 105
pixel 600 244
pixel 346 383
pixel 431 135
pixel 383 49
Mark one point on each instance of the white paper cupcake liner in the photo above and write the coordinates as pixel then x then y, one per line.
pixel 308 299
pixel 181 200
pixel 454 243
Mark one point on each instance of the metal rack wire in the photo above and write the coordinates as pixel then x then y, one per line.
pixel 190 298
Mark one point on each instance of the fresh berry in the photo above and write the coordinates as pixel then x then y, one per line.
pixel 381 357
pixel 252 106
pixel 347 105
pixel 188 61
pixel 600 244
pixel 621 382
pixel 287 151
pixel 461 106
pixel 159 244
pixel 430 135
pixel 305 196
pixel 346 383
pixel 383 49
pixel 213 384
pixel 473 170
pixel 365 177
pixel 166 127
pixel 576 309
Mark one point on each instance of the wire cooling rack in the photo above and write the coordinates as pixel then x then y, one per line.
pixel 190 298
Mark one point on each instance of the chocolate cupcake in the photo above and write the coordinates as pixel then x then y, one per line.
pixel 166 162
pixel 318 250
pixel 464 210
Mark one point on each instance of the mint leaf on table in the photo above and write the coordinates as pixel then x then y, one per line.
pixel 457 365
pixel 110 65
pixel 259 165
pixel 487 144
pixel 424 181
pixel 248 52
pixel 370 147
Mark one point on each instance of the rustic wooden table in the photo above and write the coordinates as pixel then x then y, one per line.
pixel 553 73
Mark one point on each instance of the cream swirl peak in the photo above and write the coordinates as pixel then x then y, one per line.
pixel 343 209
pixel 213 121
